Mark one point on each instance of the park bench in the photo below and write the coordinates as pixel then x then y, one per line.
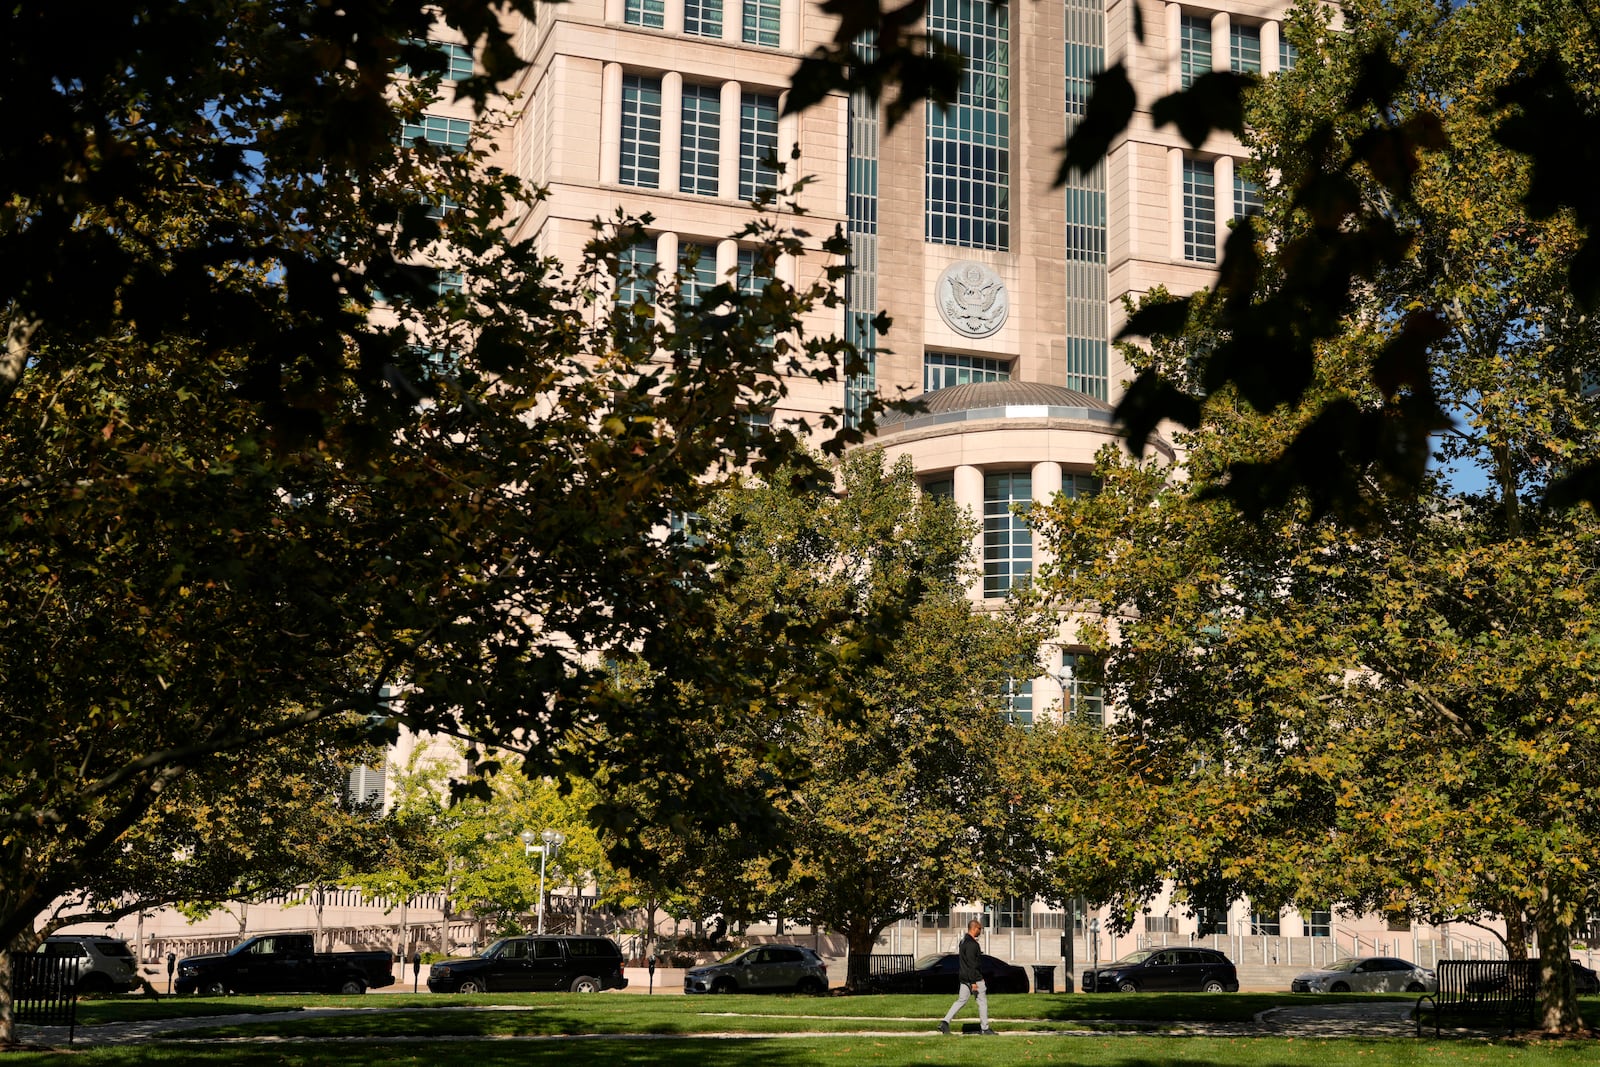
pixel 1482 989
pixel 44 991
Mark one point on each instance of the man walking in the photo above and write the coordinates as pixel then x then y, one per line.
pixel 971 977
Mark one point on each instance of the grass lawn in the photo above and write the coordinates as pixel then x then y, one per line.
pixel 795 1052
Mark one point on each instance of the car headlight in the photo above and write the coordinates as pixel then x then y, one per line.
pixel 188 972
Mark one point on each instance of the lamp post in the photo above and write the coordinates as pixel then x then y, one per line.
pixel 552 840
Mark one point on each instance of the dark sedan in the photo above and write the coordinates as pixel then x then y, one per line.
pixel 937 973
pixel 1155 970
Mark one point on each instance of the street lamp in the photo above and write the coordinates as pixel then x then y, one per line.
pixel 552 841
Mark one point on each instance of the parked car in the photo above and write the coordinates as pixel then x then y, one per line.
pixel 761 969
pixel 531 964
pixel 102 964
pixel 1165 970
pixel 1367 974
pixel 1584 981
pixel 283 963
pixel 938 973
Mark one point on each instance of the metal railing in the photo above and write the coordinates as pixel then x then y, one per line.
pixel 44 991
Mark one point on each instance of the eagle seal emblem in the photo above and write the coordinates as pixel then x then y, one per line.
pixel 972 299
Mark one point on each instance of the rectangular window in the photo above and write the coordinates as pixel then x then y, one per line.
pixel 934 918
pixel 1013 913
pixel 651 14
pixel 1194 49
pixel 697 272
pixel 940 488
pixel 1209 921
pixel 451 135
pixel 1246 197
pixel 640 158
pixel 1160 924
pixel 447 282
pixel 1199 211
pixel 1265 923
pixel 636 275
pixel 761 22
pixel 1080 699
pixel 758 144
pixel 1288 54
pixel 1244 49
pixel 702 18
pixel 940 370
pixel 968 181
pixel 1320 924
pixel 1007 541
pixel 699 148
pixel 1017 698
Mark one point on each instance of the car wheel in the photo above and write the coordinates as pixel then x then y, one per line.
pixel 585 984
pixel 808 987
pixel 1211 985
pixel 472 985
pixel 94 982
pixel 213 988
pixel 351 987
pixel 724 985
pixel 1127 986
pixel 1339 987
pixel 1416 987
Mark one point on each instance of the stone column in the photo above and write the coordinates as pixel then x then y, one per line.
pixel 610 123
pixel 728 148
pixel 671 129
pixel 968 482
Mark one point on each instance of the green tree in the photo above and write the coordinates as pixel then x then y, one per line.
pixel 1400 718
pixel 259 465
pixel 890 798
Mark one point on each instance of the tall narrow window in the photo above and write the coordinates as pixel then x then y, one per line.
pixel 1194 49
pixel 1018 702
pixel 1319 924
pixel 1265 923
pixel 761 19
pixel 636 274
pixel 1080 699
pixel 968 189
pixel 861 223
pixel 1288 54
pixel 651 14
pixel 698 145
pixel 1244 49
pixel 640 157
pixel 758 144
pixel 702 18
pixel 1199 211
pixel 940 370
pixel 697 272
pixel 1007 541
pixel 1208 921
pixel 1246 197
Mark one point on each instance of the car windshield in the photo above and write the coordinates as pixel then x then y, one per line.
pixel 1342 965
pixel 930 959
pixel 735 957
pixel 1136 957
pixel 494 950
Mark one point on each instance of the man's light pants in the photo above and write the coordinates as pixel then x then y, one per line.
pixel 961 1002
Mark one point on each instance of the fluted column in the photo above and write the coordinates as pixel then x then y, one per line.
pixel 671 129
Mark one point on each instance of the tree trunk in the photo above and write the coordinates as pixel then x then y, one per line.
pixel 8 1026
pixel 1516 931
pixel 1558 1002
pixel 858 964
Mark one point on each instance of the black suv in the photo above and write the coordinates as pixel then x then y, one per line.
pixel 528 964
pixel 1154 970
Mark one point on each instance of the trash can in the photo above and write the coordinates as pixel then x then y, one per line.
pixel 1044 978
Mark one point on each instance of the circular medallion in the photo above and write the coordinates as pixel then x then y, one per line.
pixel 972 299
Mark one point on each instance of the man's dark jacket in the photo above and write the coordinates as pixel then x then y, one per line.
pixel 970 951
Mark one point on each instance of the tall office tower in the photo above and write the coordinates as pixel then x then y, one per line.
pixel 1004 286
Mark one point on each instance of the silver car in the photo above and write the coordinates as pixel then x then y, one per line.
pixel 761 969
pixel 1367 974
